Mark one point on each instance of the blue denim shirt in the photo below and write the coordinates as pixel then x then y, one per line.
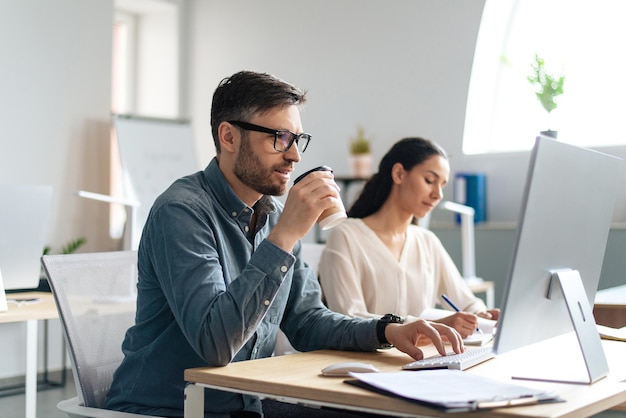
pixel 211 291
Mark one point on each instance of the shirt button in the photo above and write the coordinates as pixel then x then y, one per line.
pixel 233 214
pixel 246 228
pixel 283 269
pixel 266 303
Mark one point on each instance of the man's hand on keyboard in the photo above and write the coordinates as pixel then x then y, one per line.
pixel 405 336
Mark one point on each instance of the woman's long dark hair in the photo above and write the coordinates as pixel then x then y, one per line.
pixel 409 152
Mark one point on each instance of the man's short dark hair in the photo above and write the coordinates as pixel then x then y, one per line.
pixel 246 94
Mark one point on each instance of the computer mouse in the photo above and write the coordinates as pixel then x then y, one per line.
pixel 344 368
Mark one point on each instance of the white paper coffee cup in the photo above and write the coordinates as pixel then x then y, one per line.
pixel 330 217
pixel 332 220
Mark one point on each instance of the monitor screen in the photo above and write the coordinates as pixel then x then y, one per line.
pixel 24 218
pixel 564 223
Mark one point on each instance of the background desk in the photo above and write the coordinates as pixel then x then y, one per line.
pixel 297 378
pixel 610 307
pixel 31 314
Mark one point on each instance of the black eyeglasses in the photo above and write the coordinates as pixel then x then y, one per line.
pixel 283 139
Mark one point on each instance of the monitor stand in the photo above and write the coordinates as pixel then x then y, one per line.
pixel 587 336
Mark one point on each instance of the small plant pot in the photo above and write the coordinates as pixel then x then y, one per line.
pixel 549 133
pixel 361 165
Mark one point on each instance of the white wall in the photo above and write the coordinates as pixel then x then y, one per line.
pixel 55 105
pixel 55 77
pixel 158 50
pixel 398 68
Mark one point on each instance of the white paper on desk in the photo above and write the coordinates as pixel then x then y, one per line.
pixel 477 339
pixel 608 333
pixel 487 326
pixel 450 389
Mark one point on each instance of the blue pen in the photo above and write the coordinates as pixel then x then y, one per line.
pixel 456 308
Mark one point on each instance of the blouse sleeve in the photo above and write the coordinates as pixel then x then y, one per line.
pixel 339 277
pixel 452 283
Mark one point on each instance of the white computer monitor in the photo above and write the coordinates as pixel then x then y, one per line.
pixel 563 227
pixel 24 220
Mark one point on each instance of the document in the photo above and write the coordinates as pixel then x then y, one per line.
pixel 608 333
pixel 477 339
pixel 452 390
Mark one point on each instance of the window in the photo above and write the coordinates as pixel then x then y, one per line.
pixel 144 76
pixel 122 88
pixel 122 83
pixel 581 39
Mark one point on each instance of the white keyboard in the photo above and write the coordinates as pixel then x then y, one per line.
pixel 465 360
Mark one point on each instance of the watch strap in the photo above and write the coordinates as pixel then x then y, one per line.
pixel 382 324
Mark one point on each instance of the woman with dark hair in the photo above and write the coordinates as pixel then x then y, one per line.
pixel 379 261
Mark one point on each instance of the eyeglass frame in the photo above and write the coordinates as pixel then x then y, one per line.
pixel 276 132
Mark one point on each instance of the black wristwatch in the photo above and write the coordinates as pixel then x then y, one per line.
pixel 382 324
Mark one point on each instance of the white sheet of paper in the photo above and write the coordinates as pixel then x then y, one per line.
pixel 612 333
pixel 448 388
pixel 478 339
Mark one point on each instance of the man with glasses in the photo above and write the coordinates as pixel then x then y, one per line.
pixel 220 267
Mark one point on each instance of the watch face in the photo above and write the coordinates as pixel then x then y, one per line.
pixel 392 319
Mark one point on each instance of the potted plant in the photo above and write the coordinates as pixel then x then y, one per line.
pixel 360 154
pixel 547 88
pixel 69 248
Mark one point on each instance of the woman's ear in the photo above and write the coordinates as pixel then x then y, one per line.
pixel 397 173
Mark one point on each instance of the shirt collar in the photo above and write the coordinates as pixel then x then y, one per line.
pixel 227 198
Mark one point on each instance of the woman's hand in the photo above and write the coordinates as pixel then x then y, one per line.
pixel 490 314
pixel 405 337
pixel 463 322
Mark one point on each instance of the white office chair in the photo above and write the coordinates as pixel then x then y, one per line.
pixel 311 254
pixel 95 295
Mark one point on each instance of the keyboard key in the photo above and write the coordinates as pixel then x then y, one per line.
pixel 462 361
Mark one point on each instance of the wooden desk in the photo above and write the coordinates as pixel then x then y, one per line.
pixel 31 314
pixel 610 307
pixel 297 378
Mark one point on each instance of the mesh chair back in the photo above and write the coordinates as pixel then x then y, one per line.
pixel 95 295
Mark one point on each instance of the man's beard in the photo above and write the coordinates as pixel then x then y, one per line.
pixel 250 171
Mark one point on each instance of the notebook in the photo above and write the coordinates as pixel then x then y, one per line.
pixel 610 333
pixel 24 221
pixel 452 390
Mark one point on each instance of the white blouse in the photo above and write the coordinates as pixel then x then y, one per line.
pixel 360 277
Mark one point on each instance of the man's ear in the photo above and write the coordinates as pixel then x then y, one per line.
pixel 227 134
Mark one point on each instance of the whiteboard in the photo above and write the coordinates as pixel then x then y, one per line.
pixel 154 153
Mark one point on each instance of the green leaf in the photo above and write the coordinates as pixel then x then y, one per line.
pixel 547 85
pixel 72 246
